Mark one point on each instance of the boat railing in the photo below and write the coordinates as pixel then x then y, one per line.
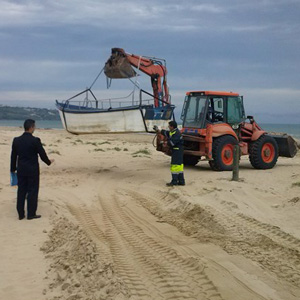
pixel 160 101
pixel 106 103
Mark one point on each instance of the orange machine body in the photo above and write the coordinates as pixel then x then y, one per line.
pixel 202 138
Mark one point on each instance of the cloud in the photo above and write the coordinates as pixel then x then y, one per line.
pixel 51 47
pixel 208 8
pixel 138 15
pixel 253 28
pixel 14 13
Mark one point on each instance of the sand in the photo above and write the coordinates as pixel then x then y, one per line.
pixel 111 229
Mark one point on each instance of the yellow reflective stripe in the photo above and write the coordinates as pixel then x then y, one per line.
pixel 175 148
pixel 172 132
pixel 176 168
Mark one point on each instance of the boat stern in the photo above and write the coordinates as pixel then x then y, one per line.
pixel 159 116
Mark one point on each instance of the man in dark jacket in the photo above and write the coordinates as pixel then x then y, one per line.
pixel 24 160
pixel 175 141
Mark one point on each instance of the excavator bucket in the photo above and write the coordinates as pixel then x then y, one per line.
pixel 118 66
pixel 287 146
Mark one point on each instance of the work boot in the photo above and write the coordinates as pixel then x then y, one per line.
pixel 181 180
pixel 174 180
pixel 34 217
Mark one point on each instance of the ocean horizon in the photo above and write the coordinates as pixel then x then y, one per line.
pixel 291 129
pixel 45 124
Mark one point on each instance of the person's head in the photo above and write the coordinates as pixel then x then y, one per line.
pixel 172 125
pixel 29 125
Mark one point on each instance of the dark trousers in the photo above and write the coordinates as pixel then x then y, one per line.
pixel 28 186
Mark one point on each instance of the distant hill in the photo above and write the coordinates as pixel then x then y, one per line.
pixel 22 113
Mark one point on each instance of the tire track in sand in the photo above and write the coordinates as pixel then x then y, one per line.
pixel 140 258
pixel 84 217
pixel 150 269
pixel 272 248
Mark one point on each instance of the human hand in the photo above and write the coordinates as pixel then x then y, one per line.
pixel 52 160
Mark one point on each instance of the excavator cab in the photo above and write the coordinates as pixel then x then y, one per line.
pixel 202 108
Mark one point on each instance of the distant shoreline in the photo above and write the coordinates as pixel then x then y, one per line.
pixel 291 129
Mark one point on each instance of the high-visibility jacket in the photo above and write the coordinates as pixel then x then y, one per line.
pixel 175 141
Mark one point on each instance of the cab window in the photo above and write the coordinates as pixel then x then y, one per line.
pixel 195 111
pixel 235 113
pixel 215 112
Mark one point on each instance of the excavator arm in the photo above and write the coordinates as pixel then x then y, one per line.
pixel 120 64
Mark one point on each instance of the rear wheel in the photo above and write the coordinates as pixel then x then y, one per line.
pixel 222 153
pixel 263 153
pixel 190 160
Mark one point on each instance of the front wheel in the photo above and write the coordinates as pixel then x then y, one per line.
pixel 263 153
pixel 222 153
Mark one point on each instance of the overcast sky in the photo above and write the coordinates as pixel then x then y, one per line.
pixel 52 49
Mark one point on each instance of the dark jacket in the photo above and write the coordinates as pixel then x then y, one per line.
pixel 24 155
pixel 175 141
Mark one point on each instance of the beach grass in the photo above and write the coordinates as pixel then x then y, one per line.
pixel 90 143
pixel 105 142
pixel 99 149
pixel 54 152
pixel 142 151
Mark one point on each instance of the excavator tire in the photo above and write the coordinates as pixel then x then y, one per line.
pixel 263 153
pixel 190 160
pixel 222 153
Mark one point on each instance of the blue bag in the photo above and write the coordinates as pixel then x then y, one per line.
pixel 13 179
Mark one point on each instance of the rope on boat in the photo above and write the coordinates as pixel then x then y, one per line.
pixel 136 83
pixel 108 82
pixel 153 141
pixel 96 78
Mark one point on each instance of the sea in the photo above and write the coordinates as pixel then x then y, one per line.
pixel 45 124
pixel 291 129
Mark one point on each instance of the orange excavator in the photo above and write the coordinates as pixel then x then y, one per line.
pixel 120 64
pixel 213 122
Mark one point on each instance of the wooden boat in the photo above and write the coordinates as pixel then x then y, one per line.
pixel 113 115
pixel 122 114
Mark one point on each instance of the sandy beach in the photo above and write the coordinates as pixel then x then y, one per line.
pixel 111 229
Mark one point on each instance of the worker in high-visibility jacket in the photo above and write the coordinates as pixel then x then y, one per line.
pixel 175 141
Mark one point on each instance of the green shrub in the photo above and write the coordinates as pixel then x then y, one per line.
pixel 142 151
pixel 90 143
pixel 54 152
pixel 102 143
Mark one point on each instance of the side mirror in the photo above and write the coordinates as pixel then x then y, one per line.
pixel 251 119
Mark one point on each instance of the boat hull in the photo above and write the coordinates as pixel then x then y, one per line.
pixel 78 120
